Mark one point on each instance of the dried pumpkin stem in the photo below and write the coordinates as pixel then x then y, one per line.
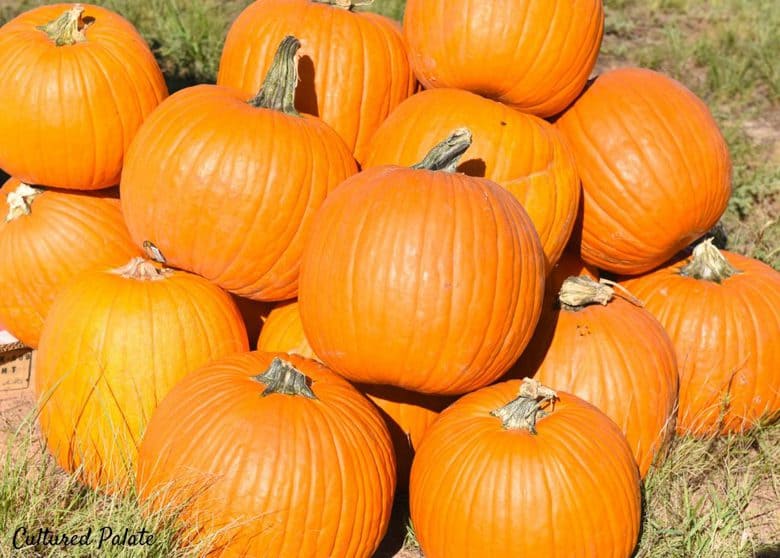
pixel 141 269
pixel 278 90
pixel 346 4
pixel 524 412
pixel 20 201
pixel 447 154
pixel 282 377
pixel 578 292
pixel 69 28
pixel 708 264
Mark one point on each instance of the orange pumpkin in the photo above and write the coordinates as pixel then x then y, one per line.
pixel 722 312
pixel 207 182
pixel 271 455
pixel 354 69
pixel 615 355
pixel 423 279
pixel 114 343
pixel 505 475
pixel 523 153
pixel 534 55
pixel 76 83
pixel 46 238
pixel 407 414
pixel 655 169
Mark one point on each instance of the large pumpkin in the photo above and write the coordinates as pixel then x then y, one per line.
pixel 655 169
pixel 76 83
pixel 226 185
pixel 114 343
pixel 407 414
pixel 615 355
pixel 271 455
pixel 534 55
pixel 502 474
pixel 354 68
pixel 722 312
pixel 46 238
pixel 523 153
pixel 423 279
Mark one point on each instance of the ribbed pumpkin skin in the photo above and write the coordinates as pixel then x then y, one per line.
pixel 479 490
pixel 354 67
pixel 523 153
pixel 306 478
pixel 534 55
pixel 70 112
pixel 110 350
pixel 655 169
pixel 283 332
pixel 430 281
pixel 726 340
pixel 208 182
pixel 66 233
pixel 620 359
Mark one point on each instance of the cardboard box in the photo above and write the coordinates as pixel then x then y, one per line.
pixel 17 369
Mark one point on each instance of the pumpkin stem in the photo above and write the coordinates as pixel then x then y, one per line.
pixel 154 253
pixel 708 264
pixel 141 269
pixel 345 4
pixel 278 89
pixel 524 412
pixel 20 201
pixel 578 292
pixel 282 377
pixel 69 28
pixel 447 154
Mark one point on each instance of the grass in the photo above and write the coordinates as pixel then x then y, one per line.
pixel 710 498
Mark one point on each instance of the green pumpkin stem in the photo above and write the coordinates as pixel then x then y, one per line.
pixel 141 269
pixel 346 4
pixel 20 201
pixel 708 264
pixel 282 377
pixel 278 90
pixel 525 411
pixel 69 28
pixel 446 155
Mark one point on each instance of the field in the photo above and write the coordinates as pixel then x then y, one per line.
pixel 711 498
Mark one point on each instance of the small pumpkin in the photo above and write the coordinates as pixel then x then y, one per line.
pixel 76 83
pixel 218 195
pixel 516 467
pixel 420 278
pixel 46 238
pixel 521 152
pixel 534 55
pixel 354 68
pixel 271 455
pixel 283 332
pixel 114 343
pixel 655 169
pixel 722 312
pixel 614 354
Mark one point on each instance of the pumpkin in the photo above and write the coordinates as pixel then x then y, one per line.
pixel 655 169
pixel 114 343
pixel 207 182
pixel 354 68
pixel 271 455
pixel 722 312
pixel 406 413
pixel 523 153
pixel 516 467
pixel 615 355
pixel 419 278
pixel 283 332
pixel 76 83
pixel 534 55
pixel 46 238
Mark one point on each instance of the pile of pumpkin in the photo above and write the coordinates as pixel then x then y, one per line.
pixel 444 245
